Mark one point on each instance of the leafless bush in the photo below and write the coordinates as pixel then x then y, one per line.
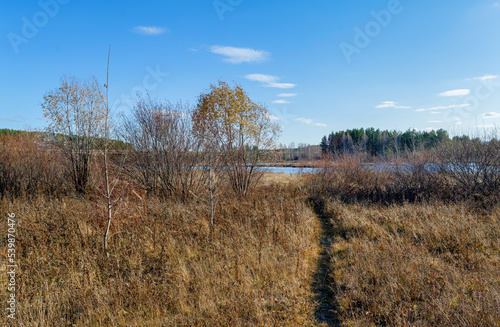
pixel 417 177
pixel 350 179
pixel 473 166
pixel 28 167
pixel 164 154
pixel 76 113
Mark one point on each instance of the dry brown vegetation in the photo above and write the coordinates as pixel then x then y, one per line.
pixel 415 264
pixel 27 170
pixel 411 247
pixel 166 267
pixel 404 246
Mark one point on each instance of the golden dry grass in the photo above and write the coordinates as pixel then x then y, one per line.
pixel 269 178
pixel 415 264
pixel 166 267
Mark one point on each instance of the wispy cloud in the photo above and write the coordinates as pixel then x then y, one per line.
pixel 287 95
pixel 304 120
pixel 391 104
pixel 486 77
pixel 485 126
pixel 269 81
pixel 435 121
pixel 281 101
pixel 455 93
pixel 272 117
pixel 240 55
pixel 490 115
pixel 452 106
pixel 150 30
pixel 309 121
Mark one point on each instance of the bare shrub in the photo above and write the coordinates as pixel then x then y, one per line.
pixel 28 167
pixel 76 113
pixel 164 154
pixel 473 165
pixel 350 179
pixel 417 177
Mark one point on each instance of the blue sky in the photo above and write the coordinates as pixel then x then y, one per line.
pixel 319 66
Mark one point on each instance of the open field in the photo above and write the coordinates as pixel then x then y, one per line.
pixel 166 267
pixel 414 264
pixel 345 246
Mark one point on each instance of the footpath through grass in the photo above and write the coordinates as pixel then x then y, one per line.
pixel 414 264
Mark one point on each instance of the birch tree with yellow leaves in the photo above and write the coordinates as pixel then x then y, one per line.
pixel 235 130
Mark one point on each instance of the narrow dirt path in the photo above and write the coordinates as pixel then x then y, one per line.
pixel 324 285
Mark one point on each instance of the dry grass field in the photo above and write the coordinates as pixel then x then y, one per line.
pixel 166 267
pixel 344 247
pixel 415 264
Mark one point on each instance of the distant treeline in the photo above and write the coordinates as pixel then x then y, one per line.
pixel 6 131
pixel 383 142
pixel 97 143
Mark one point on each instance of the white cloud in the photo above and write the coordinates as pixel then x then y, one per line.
pixel 309 121
pixel 272 117
pixel 485 126
pixel 391 104
pixel 269 81
pixel 304 120
pixel 287 95
pixel 490 115
pixel 459 123
pixel 239 55
pixel 486 77
pixel 150 30
pixel 444 107
pixel 454 93
pixel 281 101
